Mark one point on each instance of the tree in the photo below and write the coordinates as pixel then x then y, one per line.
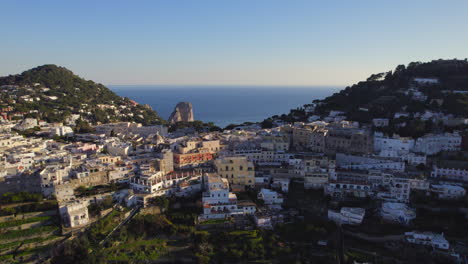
pixel 267 123
pixel 162 202
pixel 400 69
pixel 421 167
pixel 376 77
pixel 83 126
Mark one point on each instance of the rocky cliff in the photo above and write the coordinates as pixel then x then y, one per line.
pixel 183 112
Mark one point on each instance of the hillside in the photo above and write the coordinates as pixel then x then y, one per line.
pixel 54 93
pixel 439 86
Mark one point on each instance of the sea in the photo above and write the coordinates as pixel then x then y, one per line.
pixel 224 105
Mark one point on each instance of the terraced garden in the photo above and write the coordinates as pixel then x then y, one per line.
pixel 27 237
pixel 140 250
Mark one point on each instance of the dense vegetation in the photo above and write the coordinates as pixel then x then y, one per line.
pixel 198 126
pixel 143 239
pixel 73 94
pixel 21 197
pixel 11 234
pixel 384 94
pixel 25 221
pixel 29 207
pixel 380 92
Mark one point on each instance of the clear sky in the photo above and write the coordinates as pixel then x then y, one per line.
pixel 255 42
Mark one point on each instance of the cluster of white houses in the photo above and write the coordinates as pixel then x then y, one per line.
pixel 340 157
pixel 219 202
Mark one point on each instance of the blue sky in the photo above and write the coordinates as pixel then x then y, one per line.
pixel 215 42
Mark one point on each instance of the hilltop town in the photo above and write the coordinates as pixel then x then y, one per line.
pixel 376 173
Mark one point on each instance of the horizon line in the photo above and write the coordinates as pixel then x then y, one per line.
pixel 234 85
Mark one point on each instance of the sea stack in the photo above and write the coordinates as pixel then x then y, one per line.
pixel 183 112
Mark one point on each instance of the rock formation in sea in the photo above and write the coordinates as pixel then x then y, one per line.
pixel 183 112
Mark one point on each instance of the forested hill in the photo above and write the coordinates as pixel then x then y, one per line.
pixel 54 93
pixel 439 86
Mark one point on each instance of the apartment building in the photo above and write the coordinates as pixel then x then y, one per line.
pixel 316 170
pixel 356 162
pixel 239 171
pixel 74 213
pixel 218 202
pixel 451 171
pixel 347 215
pixel 191 160
pixel 271 198
pixel 400 145
pixel 428 239
pixel 397 212
pixel 446 191
pixel 434 143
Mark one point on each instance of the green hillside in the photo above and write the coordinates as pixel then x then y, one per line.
pixel 57 93
pixel 384 94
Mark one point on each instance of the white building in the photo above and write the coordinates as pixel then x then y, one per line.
pixel 419 96
pixel 271 198
pixel 401 114
pixel 428 239
pixel 218 202
pixel 347 215
pixel 455 171
pixel 421 80
pixel 355 162
pixel 61 131
pixel 380 122
pixel 401 145
pixel 131 128
pixel 432 144
pixel 118 148
pixel 52 176
pixel 26 123
pixel 263 221
pixel 158 183
pixel 399 190
pixel 420 184
pixel 397 212
pixel 119 173
pixel 282 184
pixel 414 159
pixel 74 213
pixel 275 145
pixel 445 191
pixel 343 188
pixel 310 108
pixel 265 157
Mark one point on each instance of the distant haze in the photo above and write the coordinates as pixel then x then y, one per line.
pixel 243 42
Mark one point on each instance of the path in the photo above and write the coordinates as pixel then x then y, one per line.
pixel 135 211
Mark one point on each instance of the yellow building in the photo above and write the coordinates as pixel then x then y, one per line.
pixel 206 146
pixel 109 159
pixel 238 170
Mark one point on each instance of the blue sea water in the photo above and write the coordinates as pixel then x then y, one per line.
pixel 224 105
